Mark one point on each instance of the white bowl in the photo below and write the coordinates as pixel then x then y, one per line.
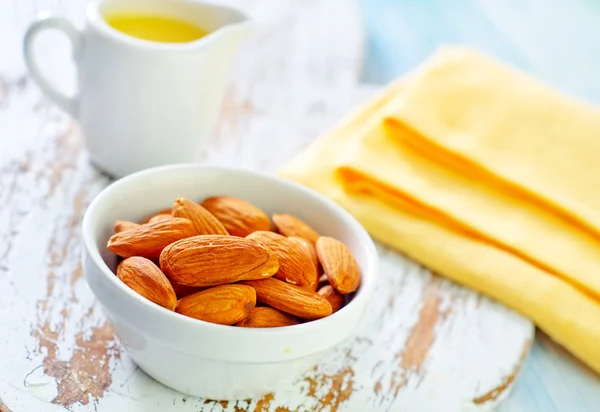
pixel 201 358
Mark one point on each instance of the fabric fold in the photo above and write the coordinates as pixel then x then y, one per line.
pixel 508 125
pixel 484 175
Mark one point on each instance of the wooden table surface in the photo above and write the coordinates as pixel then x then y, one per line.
pixel 425 344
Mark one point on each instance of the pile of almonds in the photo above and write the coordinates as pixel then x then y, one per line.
pixel 213 261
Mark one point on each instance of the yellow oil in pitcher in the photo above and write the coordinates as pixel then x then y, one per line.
pixel 155 28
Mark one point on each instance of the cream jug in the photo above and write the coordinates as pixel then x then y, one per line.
pixel 144 103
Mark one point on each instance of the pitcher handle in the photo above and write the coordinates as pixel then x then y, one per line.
pixel 45 21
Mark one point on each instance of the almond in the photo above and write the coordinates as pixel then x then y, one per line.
pixel 318 284
pixel 335 298
pixel 161 212
pixel 121 225
pixel 204 222
pixel 295 266
pixel 182 291
pixel 150 239
pixel 313 287
pixel 339 264
pixel 322 281
pixel 264 317
pixel 145 278
pixel 226 304
pixel 290 299
pixel 210 260
pixel 161 217
pixel 289 225
pixel 240 218
pixel 308 248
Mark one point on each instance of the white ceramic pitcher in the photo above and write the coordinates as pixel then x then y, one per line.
pixel 142 103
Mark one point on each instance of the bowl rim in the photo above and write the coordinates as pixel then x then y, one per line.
pixel 368 281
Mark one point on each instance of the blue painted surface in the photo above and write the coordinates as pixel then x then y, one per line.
pixel 558 41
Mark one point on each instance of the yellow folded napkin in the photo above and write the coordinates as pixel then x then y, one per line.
pixel 484 175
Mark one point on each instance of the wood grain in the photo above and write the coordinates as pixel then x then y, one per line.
pixel 3 407
pixel 295 79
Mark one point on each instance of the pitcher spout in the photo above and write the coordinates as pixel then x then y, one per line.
pixel 228 27
pixel 238 33
pixel 232 36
